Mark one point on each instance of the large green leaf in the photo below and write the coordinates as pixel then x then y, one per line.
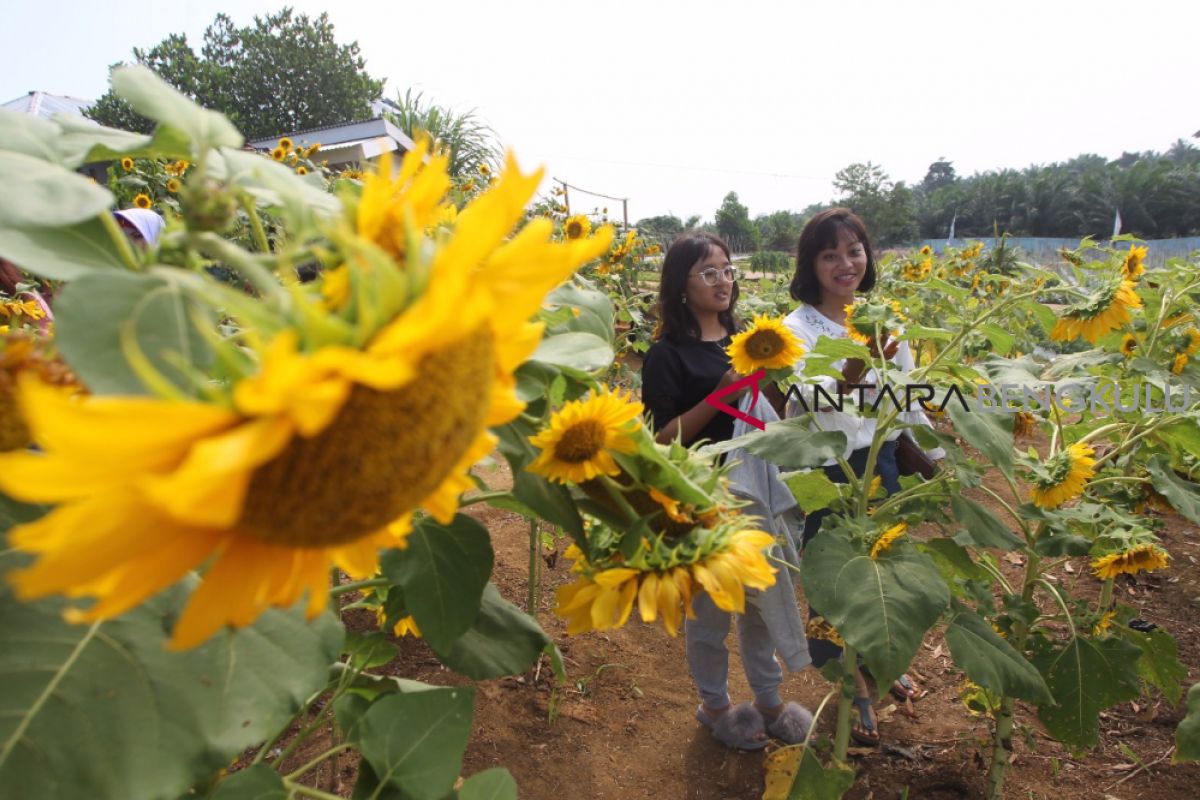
pixel 595 311
pixel 1184 496
pixel 990 661
pixel 443 572
pixel 298 201
pixel 1184 434
pixel 105 711
pixel 256 782
pixel 551 501
pixel 815 782
pixel 883 606
pixel 1085 677
pixel 813 490
pixel 581 352
pixel 28 134
pixel 983 527
pixel 415 741
pixel 840 348
pixel 41 194
pixel 61 253
pixel 1187 735
pixel 790 444
pixel 1159 665
pixel 152 97
pixel 94 313
pixel 492 784
pixel 503 640
pixel 83 142
pixel 986 433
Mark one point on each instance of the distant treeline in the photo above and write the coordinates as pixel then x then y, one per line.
pixel 1157 196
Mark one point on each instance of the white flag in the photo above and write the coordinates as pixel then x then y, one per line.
pixel 952 221
pixel 1117 224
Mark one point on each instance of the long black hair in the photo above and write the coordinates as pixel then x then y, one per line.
pixel 676 320
pixel 821 233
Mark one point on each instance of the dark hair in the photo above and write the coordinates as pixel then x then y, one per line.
pixel 675 320
pixel 821 233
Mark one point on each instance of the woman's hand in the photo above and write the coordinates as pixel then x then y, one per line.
pixel 855 368
pixel 728 379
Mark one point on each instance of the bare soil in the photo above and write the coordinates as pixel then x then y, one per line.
pixel 624 723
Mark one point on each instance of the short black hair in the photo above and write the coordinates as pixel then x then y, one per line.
pixel 821 233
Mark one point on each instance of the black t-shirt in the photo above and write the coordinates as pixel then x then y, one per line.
pixel 678 374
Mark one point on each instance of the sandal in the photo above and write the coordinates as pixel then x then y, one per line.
pixel 791 724
pixel 865 731
pixel 738 728
pixel 903 689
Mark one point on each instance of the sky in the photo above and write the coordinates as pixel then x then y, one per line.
pixel 674 104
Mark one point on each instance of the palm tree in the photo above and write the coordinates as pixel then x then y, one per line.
pixel 471 142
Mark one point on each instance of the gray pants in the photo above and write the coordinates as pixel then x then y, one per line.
pixel 708 658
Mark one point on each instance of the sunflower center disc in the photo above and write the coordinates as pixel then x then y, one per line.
pixel 763 345
pixel 383 454
pixel 580 442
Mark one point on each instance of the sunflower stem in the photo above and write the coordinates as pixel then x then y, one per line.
pixel 120 241
pixel 299 789
pixel 531 596
pixel 304 733
pixel 1106 594
pixel 298 773
pixel 841 738
pixel 260 235
pixel 354 586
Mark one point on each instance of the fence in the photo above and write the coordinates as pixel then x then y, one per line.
pixel 1044 250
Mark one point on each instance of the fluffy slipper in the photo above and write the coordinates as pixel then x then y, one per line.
pixel 903 689
pixel 791 725
pixel 865 732
pixel 739 727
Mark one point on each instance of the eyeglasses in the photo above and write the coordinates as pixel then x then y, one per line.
pixel 711 275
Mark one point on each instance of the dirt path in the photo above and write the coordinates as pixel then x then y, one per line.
pixel 625 724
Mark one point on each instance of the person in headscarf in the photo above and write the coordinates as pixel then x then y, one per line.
pixel 141 224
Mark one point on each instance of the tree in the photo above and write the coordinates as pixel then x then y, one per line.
pixel 471 142
pixel 941 173
pixel 283 73
pixel 734 225
pixel 778 231
pixel 662 229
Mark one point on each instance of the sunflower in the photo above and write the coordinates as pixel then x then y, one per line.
pixel 1104 623
pixel 1105 311
pixel 301 170
pixel 127 164
pixel 926 250
pixel 766 344
pixel 606 598
pixel 577 227
pixel 669 505
pixel 1066 474
pixel 485 170
pixel 279 154
pixel 1178 363
pixel 851 331
pixel 315 457
pixel 1193 341
pixel 578 443
pixel 285 144
pixel 1133 268
pixel 414 195
pixel 142 201
pixel 1142 558
pixel 1128 345
pixel 1024 423
pixel 312 149
pixel 818 628
pixel 885 540
pixel 172 185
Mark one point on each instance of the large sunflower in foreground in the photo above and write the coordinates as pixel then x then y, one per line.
pixel 321 451
pixel 1105 310
pixel 1063 476
pixel 766 344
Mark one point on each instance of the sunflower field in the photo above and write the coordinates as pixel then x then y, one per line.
pixel 228 437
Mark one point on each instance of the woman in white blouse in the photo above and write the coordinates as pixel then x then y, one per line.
pixel 834 263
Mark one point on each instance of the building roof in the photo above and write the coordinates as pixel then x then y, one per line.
pixel 44 104
pixel 349 133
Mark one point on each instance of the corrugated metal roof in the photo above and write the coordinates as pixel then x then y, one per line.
pixel 42 104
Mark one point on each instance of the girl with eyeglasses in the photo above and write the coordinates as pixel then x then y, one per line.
pixel 697 295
